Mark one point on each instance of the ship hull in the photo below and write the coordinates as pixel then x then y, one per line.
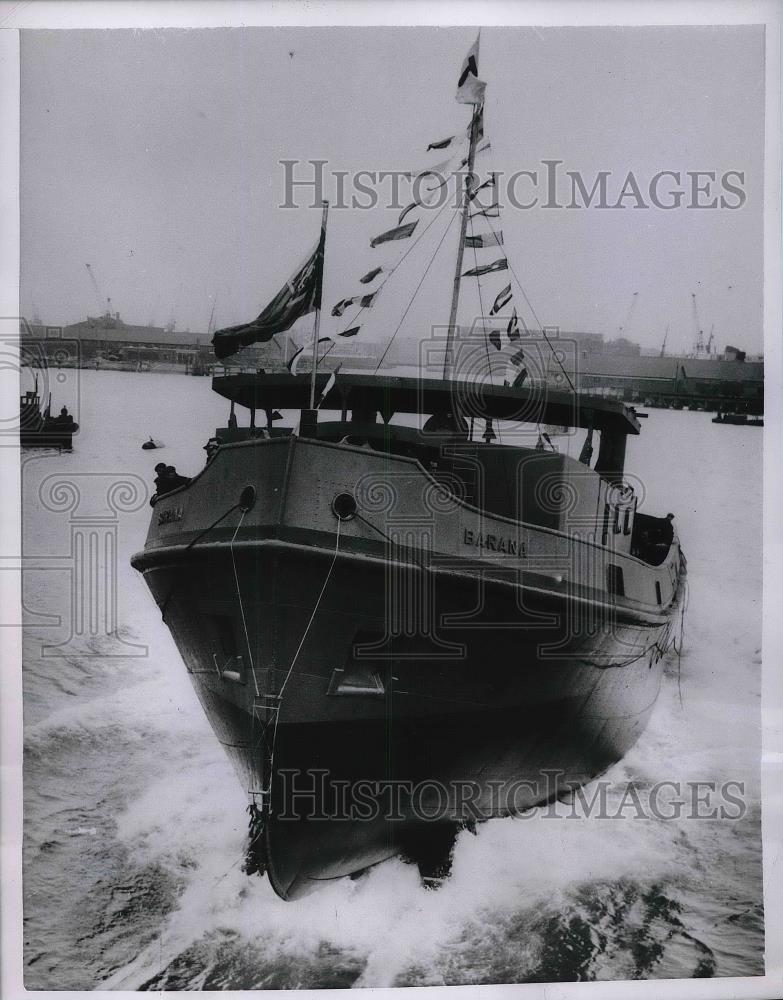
pixel 368 697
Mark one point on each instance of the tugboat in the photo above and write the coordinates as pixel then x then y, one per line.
pixel 40 429
pixel 397 625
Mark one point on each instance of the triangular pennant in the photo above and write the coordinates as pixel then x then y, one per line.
pixel 398 233
pixel 441 143
pixel 482 240
pixel 497 265
pixel 502 300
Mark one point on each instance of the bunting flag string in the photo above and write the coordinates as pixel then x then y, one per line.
pixel 498 265
pixel 372 275
pixel 490 212
pixel 330 384
pixel 512 330
pixel 490 182
pixel 296 357
pixel 441 143
pixel 364 301
pixel 482 240
pixel 502 300
pixel 398 233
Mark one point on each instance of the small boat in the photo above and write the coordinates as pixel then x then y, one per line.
pixel 407 610
pixel 151 444
pixel 739 419
pixel 39 429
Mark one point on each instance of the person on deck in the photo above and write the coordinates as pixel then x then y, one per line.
pixel 160 483
pixel 174 480
pixel 212 447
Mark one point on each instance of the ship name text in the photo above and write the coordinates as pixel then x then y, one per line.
pixel 170 514
pixel 493 543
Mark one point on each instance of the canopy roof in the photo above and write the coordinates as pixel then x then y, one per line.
pixel 391 394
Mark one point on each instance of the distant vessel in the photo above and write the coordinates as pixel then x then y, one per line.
pixel 743 419
pixel 39 429
pixel 397 630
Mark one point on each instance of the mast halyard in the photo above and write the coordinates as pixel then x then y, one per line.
pixel 448 363
pixel 316 329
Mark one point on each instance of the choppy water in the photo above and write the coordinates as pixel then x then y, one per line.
pixel 134 821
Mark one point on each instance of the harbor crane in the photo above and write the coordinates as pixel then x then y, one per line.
pixel 663 345
pixel 697 327
pixel 624 329
pixel 98 295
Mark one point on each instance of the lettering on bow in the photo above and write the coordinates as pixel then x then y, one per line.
pixel 493 543
pixel 170 514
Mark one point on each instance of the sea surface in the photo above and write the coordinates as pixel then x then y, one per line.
pixel 135 822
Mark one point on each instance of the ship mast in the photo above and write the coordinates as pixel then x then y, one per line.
pixel 448 363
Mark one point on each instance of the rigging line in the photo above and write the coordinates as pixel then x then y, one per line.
pixel 268 789
pixel 410 249
pixel 481 301
pixel 391 541
pixel 535 317
pixel 315 610
pixel 241 604
pixel 416 292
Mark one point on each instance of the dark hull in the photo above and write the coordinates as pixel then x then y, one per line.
pixel 517 703
pixel 47 439
pixel 739 420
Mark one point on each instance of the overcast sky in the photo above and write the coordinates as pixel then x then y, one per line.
pixel 154 156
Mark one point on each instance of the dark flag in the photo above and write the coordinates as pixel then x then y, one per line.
pixel 482 240
pixel 350 332
pixel 512 330
pixel 441 143
pixel 339 308
pixel 300 295
pixel 398 233
pixel 502 300
pixel 494 338
pixel 487 184
pixel 476 272
pixel 517 370
pixel 370 276
pixel 365 301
